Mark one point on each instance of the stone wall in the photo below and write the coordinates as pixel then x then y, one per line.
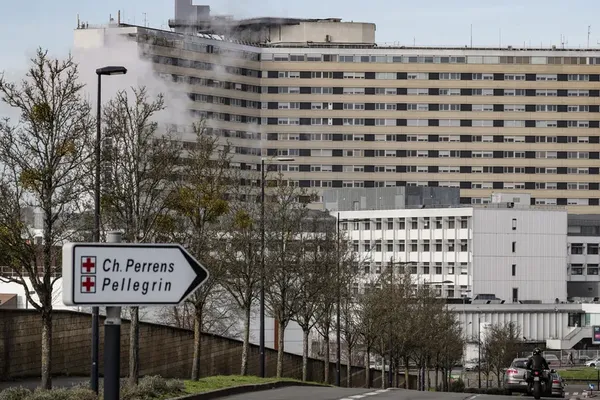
pixel 164 350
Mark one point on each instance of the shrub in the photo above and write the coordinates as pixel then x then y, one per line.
pixel 14 393
pixel 151 387
pixel 457 386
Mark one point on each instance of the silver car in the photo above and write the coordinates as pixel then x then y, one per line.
pixel 558 385
pixel 514 378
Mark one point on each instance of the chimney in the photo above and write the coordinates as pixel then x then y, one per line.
pixel 119 17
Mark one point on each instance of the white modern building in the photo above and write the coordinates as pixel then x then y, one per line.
pixel 516 252
pixel 559 326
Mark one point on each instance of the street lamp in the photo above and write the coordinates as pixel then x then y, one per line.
pixel 338 340
pixel 479 344
pixel 109 70
pixel 262 260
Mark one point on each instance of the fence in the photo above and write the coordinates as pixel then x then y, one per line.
pixel 580 357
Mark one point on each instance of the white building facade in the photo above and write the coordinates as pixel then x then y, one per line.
pixel 517 253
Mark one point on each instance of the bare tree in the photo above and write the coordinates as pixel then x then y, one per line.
pixel 501 345
pixel 219 319
pixel 200 201
pixel 283 258
pixel 241 259
pixel 43 157
pixel 140 162
pixel 370 324
pixel 318 241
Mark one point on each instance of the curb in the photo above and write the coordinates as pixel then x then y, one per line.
pixel 230 391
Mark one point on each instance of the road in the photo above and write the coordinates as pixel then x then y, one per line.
pixel 318 393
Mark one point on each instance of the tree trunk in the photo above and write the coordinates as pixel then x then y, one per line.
pixel 246 343
pixel 47 349
pixel 134 345
pixel 327 363
pixel 368 367
pixel 383 371
pixel 280 349
pixel 428 375
pixel 305 334
pixel 406 373
pixel 197 344
pixel 437 378
pixel 349 367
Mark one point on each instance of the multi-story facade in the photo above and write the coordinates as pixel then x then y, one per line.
pixel 353 114
pixel 583 242
pixel 517 253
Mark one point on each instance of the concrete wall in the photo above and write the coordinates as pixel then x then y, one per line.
pixel 540 255
pixel 164 350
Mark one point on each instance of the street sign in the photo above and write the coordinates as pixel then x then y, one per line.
pixel 128 274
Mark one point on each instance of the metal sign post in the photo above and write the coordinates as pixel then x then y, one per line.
pixel 116 274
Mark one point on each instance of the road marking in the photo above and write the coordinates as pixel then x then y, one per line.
pixel 472 397
pixel 360 396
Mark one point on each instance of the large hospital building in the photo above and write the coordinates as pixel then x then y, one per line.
pixel 354 114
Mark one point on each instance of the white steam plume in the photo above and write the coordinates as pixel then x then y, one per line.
pixel 118 50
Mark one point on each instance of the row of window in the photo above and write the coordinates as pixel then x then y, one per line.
pixel 417 106
pixel 403 91
pixel 438 246
pixel 581 248
pixel 422 268
pixel 413 223
pixel 464 123
pixel 475 123
pixel 204 66
pixel 563 155
pixel 393 91
pixel 429 59
pixel 193 43
pixel 453 76
pixel 359 137
pixel 578 269
pixel 446 170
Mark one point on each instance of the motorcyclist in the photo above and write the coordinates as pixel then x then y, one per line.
pixel 537 361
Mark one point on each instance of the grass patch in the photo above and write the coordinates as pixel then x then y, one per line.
pixel 225 381
pixel 149 387
pixel 583 373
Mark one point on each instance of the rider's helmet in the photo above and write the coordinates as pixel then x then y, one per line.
pixel 537 351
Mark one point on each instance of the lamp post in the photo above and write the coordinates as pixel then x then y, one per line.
pixel 338 339
pixel 479 344
pixel 109 70
pixel 262 262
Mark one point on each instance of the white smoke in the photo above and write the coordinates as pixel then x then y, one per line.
pixel 115 49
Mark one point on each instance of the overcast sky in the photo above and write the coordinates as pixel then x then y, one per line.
pixel 27 24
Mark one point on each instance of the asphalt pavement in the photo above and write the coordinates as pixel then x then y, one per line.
pixel 575 392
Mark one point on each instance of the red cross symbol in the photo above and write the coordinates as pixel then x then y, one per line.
pixel 88 284
pixel 88 265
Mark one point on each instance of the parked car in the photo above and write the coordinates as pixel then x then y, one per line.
pixel 558 385
pixel 470 365
pixel 514 378
pixel 583 359
pixel 552 360
pixel 593 363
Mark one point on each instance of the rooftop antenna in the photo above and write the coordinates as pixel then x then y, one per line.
pixel 500 37
pixel 471 35
pixel 589 31
pixel 414 41
pixel 145 21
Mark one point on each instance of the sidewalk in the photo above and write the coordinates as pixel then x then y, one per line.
pixel 59 381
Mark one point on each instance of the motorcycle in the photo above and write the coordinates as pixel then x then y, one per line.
pixel 538 383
